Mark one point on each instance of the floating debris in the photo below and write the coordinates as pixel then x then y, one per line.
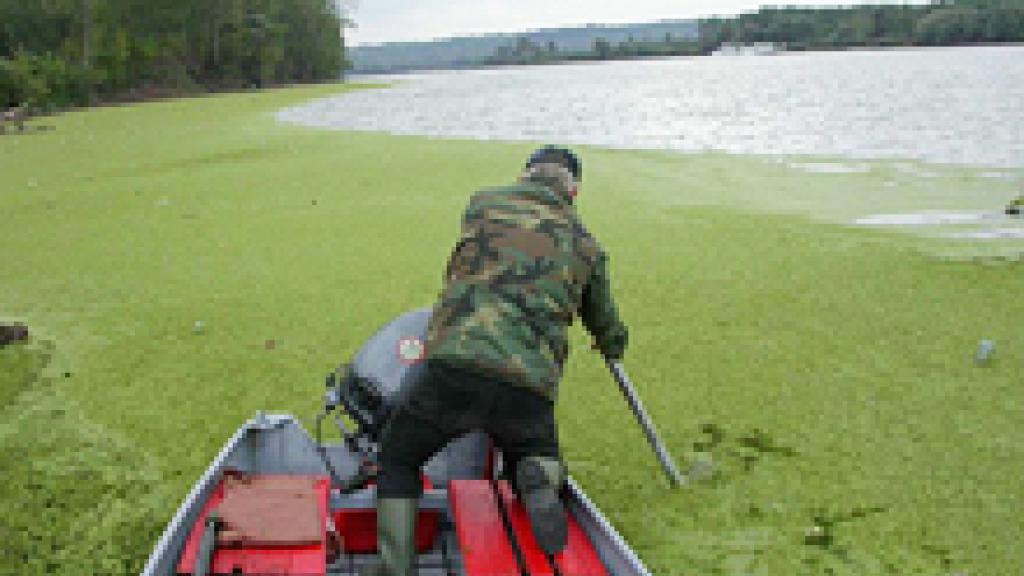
pixel 985 350
pixel 999 175
pixel 915 170
pixel 951 218
pixel 817 536
pixel 701 469
pixel 1015 208
pixel 11 333
pixel 830 167
pixel 927 218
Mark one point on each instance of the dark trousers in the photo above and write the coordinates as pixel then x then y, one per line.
pixel 450 401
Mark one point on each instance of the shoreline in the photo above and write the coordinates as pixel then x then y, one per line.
pixel 813 158
pixel 413 71
pixel 146 96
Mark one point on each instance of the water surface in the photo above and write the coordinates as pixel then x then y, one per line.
pixel 947 105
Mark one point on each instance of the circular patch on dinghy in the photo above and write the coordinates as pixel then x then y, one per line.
pixel 411 350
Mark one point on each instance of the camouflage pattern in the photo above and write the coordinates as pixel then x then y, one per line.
pixel 522 270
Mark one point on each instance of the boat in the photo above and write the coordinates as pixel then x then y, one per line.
pixel 280 501
pixel 749 49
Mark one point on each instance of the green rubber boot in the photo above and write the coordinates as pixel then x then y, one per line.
pixel 396 537
pixel 538 481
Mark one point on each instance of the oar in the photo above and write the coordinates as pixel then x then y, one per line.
pixel 674 477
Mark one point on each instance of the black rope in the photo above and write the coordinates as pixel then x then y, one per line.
pixel 509 530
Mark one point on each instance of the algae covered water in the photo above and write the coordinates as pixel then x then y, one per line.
pixel 946 105
pixel 828 374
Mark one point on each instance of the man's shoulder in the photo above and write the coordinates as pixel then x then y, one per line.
pixel 527 198
pixel 495 195
pixel 520 193
pixel 517 189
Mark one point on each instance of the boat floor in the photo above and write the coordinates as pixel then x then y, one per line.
pixel 443 560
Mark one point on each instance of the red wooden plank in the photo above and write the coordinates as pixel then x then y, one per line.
pixel 480 530
pixel 579 557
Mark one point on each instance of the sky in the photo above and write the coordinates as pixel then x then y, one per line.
pixel 403 20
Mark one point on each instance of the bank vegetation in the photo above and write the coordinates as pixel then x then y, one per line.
pixel 57 53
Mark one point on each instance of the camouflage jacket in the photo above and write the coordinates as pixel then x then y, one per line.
pixel 522 269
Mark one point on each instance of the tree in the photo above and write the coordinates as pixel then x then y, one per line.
pixel 73 51
pixel 951 26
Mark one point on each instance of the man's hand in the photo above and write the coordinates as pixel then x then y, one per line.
pixel 614 347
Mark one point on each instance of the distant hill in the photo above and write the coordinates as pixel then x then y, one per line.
pixel 469 51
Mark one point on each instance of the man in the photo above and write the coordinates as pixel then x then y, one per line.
pixel 522 269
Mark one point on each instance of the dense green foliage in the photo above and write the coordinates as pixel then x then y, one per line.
pixel 827 372
pixel 942 23
pixel 63 52
pixel 525 51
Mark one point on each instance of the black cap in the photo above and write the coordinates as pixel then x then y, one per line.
pixel 557 155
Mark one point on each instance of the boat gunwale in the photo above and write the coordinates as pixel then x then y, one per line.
pixel 188 511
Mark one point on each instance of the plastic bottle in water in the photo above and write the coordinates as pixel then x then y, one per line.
pixel 985 350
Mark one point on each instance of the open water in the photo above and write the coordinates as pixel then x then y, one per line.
pixel 945 105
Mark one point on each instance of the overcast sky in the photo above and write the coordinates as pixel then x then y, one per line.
pixel 398 20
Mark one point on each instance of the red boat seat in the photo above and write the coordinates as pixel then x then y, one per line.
pixel 484 541
pixel 357 526
pixel 271 525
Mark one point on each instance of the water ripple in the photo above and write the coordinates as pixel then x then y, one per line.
pixel 950 105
